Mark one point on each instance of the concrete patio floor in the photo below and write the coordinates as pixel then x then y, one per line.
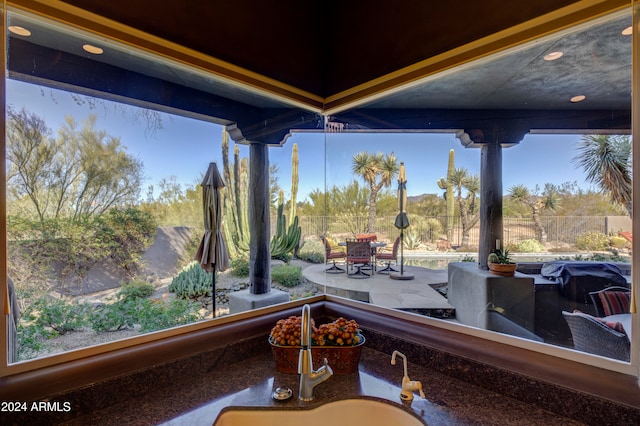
pixel 415 295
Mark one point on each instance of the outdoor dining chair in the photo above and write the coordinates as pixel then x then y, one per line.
pixel 332 254
pixel 389 256
pixel 358 257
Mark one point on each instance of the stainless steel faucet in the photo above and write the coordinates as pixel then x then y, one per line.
pixel 309 379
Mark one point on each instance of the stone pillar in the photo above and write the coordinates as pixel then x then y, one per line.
pixel 259 220
pixel 491 228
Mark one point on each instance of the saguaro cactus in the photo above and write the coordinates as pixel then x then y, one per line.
pixel 285 240
pixel 235 200
pixel 447 185
pixel 294 182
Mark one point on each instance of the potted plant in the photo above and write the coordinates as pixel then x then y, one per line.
pixel 340 342
pixel 500 263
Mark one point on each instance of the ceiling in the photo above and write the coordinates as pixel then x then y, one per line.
pixel 514 88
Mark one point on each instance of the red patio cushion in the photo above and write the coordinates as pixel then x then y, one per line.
pixel 615 302
pixel 617 326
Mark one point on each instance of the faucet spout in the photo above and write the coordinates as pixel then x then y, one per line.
pixel 309 378
pixel 408 386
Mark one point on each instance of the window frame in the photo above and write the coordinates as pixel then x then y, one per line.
pixel 83 21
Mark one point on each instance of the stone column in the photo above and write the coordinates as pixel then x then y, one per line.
pixel 491 229
pixel 259 220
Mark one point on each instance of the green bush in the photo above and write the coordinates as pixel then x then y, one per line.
pixel 70 247
pixel 125 233
pixel 592 241
pixel 159 315
pixel 115 316
pixel 136 290
pixel 45 319
pixel 528 246
pixel 60 315
pixel 240 267
pixel 30 339
pixel 285 257
pixel 192 282
pixel 433 228
pixel 287 275
pixel 149 314
pixel 312 251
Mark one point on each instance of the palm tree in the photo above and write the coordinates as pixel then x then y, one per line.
pixel 606 161
pixel 461 179
pixel 378 171
pixel 549 200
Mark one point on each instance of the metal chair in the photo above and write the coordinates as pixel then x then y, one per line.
pixel 593 336
pixel 331 254
pixel 359 257
pixel 389 256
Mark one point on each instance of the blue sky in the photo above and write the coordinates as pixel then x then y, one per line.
pixel 184 147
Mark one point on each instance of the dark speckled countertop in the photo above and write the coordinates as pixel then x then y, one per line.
pixel 198 400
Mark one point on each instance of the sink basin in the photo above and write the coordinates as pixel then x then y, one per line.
pixel 345 412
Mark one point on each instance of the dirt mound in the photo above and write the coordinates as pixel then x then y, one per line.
pixel 160 261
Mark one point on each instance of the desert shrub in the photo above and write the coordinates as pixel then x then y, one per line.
pixel 592 241
pixel 432 228
pixel 287 275
pixel 428 229
pixel 240 267
pixel 60 315
pixel 136 290
pixel 469 249
pixel 125 233
pixel 45 319
pixel 119 315
pixel 467 258
pixel 71 247
pixel 312 251
pixel 617 241
pixel 285 257
pixel 30 339
pixel 149 314
pixel 528 246
pixel 192 282
pixel 159 315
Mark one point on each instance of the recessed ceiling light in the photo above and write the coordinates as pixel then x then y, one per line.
pixel 627 31
pixel 19 30
pixel 578 98
pixel 93 49
pixel 553 56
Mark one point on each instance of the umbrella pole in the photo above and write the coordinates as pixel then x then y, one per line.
pixel 402 252
pixel 213 290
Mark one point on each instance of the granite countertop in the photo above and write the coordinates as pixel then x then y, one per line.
pixel 198 400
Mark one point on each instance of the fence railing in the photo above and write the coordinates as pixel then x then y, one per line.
pixel 563 229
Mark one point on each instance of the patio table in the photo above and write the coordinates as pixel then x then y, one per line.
pixel 374 247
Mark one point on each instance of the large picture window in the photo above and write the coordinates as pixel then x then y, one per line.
pixel 106 151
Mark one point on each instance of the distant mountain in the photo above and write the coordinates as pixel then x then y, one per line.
pixel 418 198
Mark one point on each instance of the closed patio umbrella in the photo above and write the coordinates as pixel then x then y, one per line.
pixel 212 252
pixel 402 221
